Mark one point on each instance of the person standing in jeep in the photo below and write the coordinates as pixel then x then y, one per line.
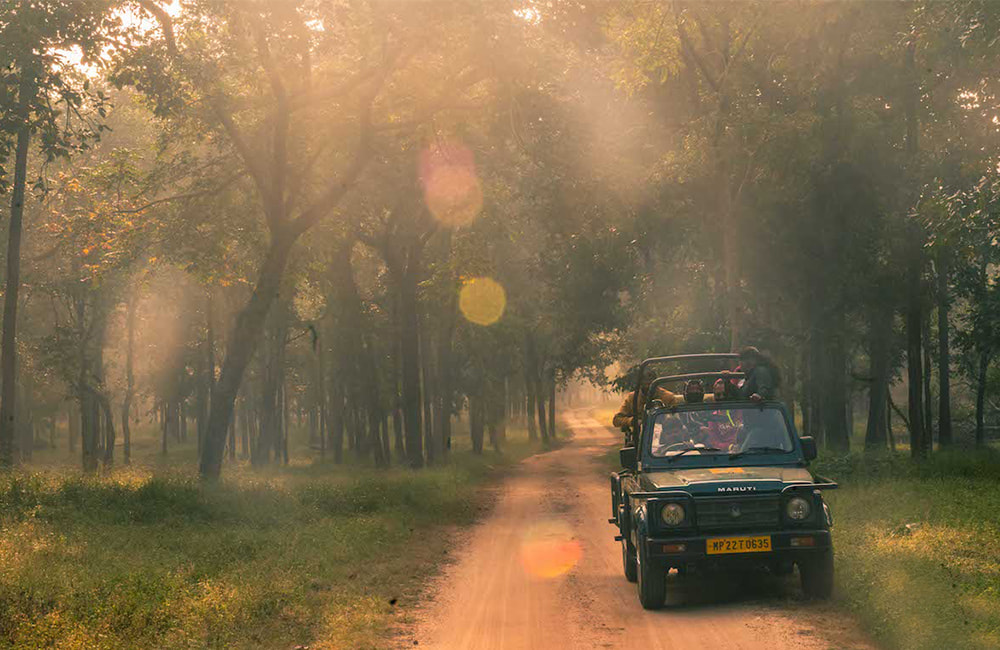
pixel 762 376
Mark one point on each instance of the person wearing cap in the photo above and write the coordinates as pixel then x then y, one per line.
pixel 762 376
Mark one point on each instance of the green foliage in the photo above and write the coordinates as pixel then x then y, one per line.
pixel 39 87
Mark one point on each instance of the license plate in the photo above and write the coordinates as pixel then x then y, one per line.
pixel 720 545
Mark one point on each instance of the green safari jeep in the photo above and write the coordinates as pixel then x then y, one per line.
pixel 716 485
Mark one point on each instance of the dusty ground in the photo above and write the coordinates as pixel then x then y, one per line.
pixel 543 571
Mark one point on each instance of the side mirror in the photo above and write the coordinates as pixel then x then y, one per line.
pixel 628 457
pixel 808 447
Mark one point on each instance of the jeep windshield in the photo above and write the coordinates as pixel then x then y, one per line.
pixel 732 431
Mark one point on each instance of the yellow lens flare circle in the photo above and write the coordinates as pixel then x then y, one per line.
pixel 451 185
pixel 482 301
pixel 549 550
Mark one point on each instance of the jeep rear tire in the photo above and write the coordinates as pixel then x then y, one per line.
pixel 652 578
pixel 817 575
pixel 629 561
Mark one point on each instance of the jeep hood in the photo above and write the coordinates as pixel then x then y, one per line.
pixel 725 480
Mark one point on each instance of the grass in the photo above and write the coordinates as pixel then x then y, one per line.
pixel 308 555
pixel 918 546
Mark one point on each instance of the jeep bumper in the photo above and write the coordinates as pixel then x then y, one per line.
pixel 786 546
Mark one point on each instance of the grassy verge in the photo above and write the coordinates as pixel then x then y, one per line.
pixel 149 557
pixel 918 547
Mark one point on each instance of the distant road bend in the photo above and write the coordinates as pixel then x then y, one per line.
pixel 543 571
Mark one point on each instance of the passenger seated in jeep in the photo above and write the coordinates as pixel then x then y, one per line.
pixel 625 416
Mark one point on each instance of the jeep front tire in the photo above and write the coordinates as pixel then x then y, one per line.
pixel 817 575
pixel 629 561
pixel 652 577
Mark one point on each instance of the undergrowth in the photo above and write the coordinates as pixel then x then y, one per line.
pixel 312 555
pixel 918 546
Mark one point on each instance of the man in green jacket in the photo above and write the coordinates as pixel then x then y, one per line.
pixel 762 376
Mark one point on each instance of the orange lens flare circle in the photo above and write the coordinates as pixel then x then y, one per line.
pixel 482 301
pixel 548 550
pixel 451 186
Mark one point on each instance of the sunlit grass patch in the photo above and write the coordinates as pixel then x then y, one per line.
pixel 918 547
pixel 279 557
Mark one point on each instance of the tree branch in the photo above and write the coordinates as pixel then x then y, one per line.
pixel 689 49
pixel 166 24
pixel 215 98
pixel 279 154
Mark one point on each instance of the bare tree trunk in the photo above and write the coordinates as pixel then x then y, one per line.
pixel 529 395
pixel 241 344
pixel 337 422
pixel 109 434
pixel 878 392
pixel 320 393
pixel 285 413
pixel 8 345
pixel 410 351
pixel 476 423
pixel 89 421
pixel 551 384
pixel 273 362
pixel 944 354
pixel 928 402
pixel 914 308
pixel 231 443
pixel 73 426
pixel 130 306
pixel 984 365
pixel 914 382
pixel 167 417
pixel 805 389
pixel 427 395
pixel 888 421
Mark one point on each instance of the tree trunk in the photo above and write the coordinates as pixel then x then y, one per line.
pixel 231 443
pixel 984 365
pixel 73 426
pixel 8 344
pixel 529 396
pixel 427 394
pixel 551 385
pixel 914 374
pixel 89 421
pixel 129 379
pixel 878 392
pixel 928 439
pixel 888 420
pixel 410 352
pixel 241 344
pixel 835 390
pixel 445 373
pixel 944 354
pixel 476 423
pixel 540 405
pixel 109 434
pixel 914 308
pixel 805 388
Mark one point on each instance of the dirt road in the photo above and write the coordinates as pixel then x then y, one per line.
pixel 543 571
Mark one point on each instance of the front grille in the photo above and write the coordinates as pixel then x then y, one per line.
pixel 745 513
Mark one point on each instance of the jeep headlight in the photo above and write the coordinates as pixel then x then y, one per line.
pixel 798 508
pixel 672 514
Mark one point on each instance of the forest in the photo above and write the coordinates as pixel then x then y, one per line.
pixel 246 237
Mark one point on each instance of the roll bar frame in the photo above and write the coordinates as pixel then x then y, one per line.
pixel 676 357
